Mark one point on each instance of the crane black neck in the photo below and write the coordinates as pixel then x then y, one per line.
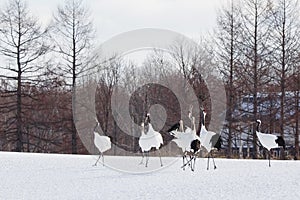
pixel 258 126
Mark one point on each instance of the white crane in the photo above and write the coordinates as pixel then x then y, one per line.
pixel 178 135
pixel 187 140
pixel 102 143
pixel 189 143
pixel 194 143
pixel 183 138
pixel 269 141
pixel 209 140
pixel 149 140
pixel 144 144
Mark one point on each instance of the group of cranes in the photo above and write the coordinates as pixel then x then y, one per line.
pixel 186 139
pixel 211 141
pixel 147 141
pixel 191 143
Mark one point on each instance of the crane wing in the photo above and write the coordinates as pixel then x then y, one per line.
pixel 267 140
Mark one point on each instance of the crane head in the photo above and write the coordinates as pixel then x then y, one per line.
pixel 147 119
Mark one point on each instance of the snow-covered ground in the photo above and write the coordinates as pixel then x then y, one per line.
pixel 49 176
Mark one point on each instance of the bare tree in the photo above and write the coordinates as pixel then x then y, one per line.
pixel 111 100
pixel 294 85
pixel 23 44
pixel 227 58
pixel 194 63
pixel 255 49
pixel 72 34
pixel 297 112
pixel 286 41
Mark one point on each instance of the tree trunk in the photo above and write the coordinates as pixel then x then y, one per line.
pixel 73 111
pixel 19 110
pixel 255 82
pixel 231 87
pixel 297 98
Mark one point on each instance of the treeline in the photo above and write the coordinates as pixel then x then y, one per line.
pixel 257 51
pixel 39 68
pixel 254 50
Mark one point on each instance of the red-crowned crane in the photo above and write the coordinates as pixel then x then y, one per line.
pixel 269 141
pixel 102 143
pixel 149 139
pixel 209 140
pixel 187 140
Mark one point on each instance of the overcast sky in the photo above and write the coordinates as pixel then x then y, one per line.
pixel 112 17
pixel 192 18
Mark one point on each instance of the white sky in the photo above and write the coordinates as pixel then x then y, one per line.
pixel 191 18
pixel 111 17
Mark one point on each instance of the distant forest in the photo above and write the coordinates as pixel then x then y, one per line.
pixel 254 50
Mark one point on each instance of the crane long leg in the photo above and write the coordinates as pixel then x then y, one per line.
pixel 102 159
pixel 160 158
pixel 183 163
pixel 215 167
pixel 188 162
pixel 142 158
pixel 269 159
pixel 191 159
pixel 193 166
pixel 194 162
pixel 147 158
pixel 208 162
pixel 191 162
pixel 98 159
pixel 185 160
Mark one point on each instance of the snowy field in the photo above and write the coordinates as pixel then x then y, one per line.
pixel 50 176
